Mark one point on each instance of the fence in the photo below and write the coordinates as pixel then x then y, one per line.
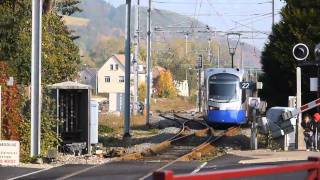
pixel 312 166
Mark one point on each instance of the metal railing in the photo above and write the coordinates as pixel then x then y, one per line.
pixel 312 166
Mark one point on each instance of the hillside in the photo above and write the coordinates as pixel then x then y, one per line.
pixel 100 20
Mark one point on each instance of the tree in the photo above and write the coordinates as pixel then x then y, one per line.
pixel 299 24
pixel 165 85
pixel 60 62
pixel 105 48
pixel 68 7
pixel 60 55
pixel 142 92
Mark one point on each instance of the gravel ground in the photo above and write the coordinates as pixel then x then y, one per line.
pixel 169 130
pixel 238 142
pixel 163 135
pixel 67 159
pixel 142 140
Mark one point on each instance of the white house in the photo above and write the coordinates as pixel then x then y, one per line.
pixel 111 81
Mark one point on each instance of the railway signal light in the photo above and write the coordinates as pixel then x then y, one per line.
pixel 199 64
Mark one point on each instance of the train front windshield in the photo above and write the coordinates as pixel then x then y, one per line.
pixel 223 87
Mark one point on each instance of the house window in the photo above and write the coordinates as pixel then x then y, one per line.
pixel 107 79
pixel 121 79
pixel 111 67
pixel 117 67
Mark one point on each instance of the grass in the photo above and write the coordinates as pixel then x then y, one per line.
pixel 111 126
pixel 114 122
pixel 117 122
pixel 166 104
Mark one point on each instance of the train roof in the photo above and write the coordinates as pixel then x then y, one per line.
pixel 236 71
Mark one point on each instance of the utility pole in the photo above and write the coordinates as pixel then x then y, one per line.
pixel 36 78
pixel 209 50
pixel 186 36
pixel 127 72
pixel 136 58
pixel 272 12
pixel 199 67
pixel 241 58
pixel 148 65
pixel 218 56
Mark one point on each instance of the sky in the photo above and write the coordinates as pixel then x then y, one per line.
pixel 225 15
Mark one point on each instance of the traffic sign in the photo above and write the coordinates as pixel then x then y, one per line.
pixel 300 52
pixel 246 85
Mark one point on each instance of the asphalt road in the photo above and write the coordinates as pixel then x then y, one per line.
pixel 128 170
pixel 10 172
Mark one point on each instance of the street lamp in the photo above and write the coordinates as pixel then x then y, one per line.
pixel 233 40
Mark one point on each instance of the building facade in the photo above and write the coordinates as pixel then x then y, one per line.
pixel 111 77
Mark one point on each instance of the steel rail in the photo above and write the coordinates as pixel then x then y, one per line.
pixel 211 139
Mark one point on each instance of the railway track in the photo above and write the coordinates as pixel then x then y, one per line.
pixel 186 153
pixel 175 145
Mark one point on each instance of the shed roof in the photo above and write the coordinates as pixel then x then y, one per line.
pixel 69 85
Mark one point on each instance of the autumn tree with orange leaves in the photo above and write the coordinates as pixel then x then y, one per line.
pixel 165 85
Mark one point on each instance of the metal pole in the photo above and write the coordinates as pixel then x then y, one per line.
pixel 218 56
pixel 232 60
pixel 36 78
pixel 57 96
pixel 318 95
pixel 254 141
pixel 209 50
pixel 186 36
pixel 318 88
pixel 300 145
pixel 127 72
pixel 272 12
pixel 0 113
pixel 135 61
pixel 148 64
pixel 241 46
pixel 199 90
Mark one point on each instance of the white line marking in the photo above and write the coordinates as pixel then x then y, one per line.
pixel 199 168
pixel 35 172
pixel 79 172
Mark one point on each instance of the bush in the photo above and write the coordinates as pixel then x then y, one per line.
pixel 49 137
pixel 105 129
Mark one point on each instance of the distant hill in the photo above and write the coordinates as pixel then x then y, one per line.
pixel 100 19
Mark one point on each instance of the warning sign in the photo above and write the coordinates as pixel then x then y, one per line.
pixel 9 153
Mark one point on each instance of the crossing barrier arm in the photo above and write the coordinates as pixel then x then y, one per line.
pixel 312 166
pixel 303 108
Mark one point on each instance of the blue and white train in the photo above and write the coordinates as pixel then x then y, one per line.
pixel 223 99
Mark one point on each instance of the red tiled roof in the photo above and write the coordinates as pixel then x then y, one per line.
pixel 121 58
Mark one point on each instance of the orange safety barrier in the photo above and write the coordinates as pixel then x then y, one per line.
pixel 312 166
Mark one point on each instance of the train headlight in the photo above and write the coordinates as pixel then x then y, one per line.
pixel 213 108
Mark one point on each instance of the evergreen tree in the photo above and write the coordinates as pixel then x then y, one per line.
pixel 300 23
